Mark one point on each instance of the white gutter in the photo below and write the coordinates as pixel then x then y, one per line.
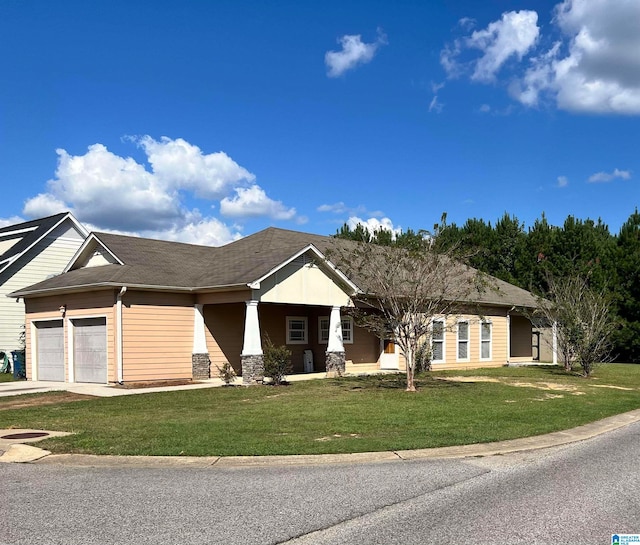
pixel 123 290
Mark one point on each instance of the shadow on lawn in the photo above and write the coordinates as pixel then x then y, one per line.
pixel 423 381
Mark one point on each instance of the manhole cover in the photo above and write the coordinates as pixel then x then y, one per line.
pixel 25 435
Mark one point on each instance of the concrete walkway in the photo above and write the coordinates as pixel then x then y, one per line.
pixel 108 390
pixel 20 450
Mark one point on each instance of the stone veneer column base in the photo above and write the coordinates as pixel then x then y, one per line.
pixel 200 366
pixel 252 369
pixel 335 364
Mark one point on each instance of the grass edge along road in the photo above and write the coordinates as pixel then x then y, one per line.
pixel 350 414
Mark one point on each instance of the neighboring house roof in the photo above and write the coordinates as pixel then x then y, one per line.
pixel 156 264
pixel 16 240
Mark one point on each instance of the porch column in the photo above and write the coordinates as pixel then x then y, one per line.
pixel 251 357
pixel 335 357
pixel 508 338
pixel 200 362
pixel 554 340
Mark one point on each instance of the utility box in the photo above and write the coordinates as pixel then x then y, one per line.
pixel 307 359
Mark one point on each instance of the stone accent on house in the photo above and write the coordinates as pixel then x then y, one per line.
pixel 252 368
pixel 200 366
pixel 335 363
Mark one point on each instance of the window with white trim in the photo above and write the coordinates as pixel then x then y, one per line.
pixel 347 330
pixel 297 330
pixel 485 340
pixel 463 341
pixel 437 341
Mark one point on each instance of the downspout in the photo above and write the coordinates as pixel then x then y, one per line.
pixel 123 290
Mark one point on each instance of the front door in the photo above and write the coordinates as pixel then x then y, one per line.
pixel 389 357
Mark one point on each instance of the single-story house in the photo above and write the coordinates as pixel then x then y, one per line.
pixel 131 309
pixel 31 252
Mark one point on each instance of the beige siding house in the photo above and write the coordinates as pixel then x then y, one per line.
pixel 31 252
pixel 130 309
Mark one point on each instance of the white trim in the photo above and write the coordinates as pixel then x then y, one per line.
pixel 255 285
pixel 509 338
pixel 119 336
pixel 554 342
pixel 68 215
pixel 11 234
pixel 482 322
pixel 459 340
pixel 90 238
pixel 34 351
pixel 443 341
pixel 306 329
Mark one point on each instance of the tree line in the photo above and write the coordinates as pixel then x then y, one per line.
pixel 532 257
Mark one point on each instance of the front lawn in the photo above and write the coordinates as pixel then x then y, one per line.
pixel 335 415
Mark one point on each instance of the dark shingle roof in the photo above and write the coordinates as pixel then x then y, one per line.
pixel 161 264
pixel 28 233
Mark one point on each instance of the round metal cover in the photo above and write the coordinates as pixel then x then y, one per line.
pixel 25 435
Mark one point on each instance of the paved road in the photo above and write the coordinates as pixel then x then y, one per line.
pixel 577 494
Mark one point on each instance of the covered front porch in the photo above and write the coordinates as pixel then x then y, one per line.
pixel 322 339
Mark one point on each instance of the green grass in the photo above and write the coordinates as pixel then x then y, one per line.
pixel 335 415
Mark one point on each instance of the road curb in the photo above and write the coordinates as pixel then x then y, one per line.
pixel 554 439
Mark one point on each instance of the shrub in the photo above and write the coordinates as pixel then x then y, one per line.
pixel 226 373
pixel 423 357
pixel 277 362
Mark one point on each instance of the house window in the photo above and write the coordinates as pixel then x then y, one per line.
pixel 296 330
pixel 437 341
pixel 463 341
pixel 347 330
pixel 485 340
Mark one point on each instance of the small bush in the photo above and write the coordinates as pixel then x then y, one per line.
pixel 226 373
pixel 423 357
pixel 277 362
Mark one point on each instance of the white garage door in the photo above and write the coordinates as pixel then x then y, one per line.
pixel 90 350
pixel 50 350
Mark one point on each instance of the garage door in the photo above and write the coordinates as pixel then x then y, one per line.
pixel 50 350
pixel 90 350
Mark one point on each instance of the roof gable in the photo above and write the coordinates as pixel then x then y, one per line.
pixel 17 240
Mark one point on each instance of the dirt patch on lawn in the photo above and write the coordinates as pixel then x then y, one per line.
pixel 155 384
pixel 553 386
pixel 20 402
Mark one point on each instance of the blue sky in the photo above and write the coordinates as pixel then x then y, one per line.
pixel 205 121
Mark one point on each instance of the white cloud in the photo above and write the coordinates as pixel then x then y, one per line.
pixel 563 181
pixel 253 202
pixel 374 224
pixel 354 52
pixel 205 231
pixel 6 222
pixel 119 194
pixel 594 67
pixel 467 23
pixel 435 106
pixel 181 165
pixel 610 176
pixel 336 208
pixel 514 35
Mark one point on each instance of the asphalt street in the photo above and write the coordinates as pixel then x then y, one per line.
pixel 579 494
